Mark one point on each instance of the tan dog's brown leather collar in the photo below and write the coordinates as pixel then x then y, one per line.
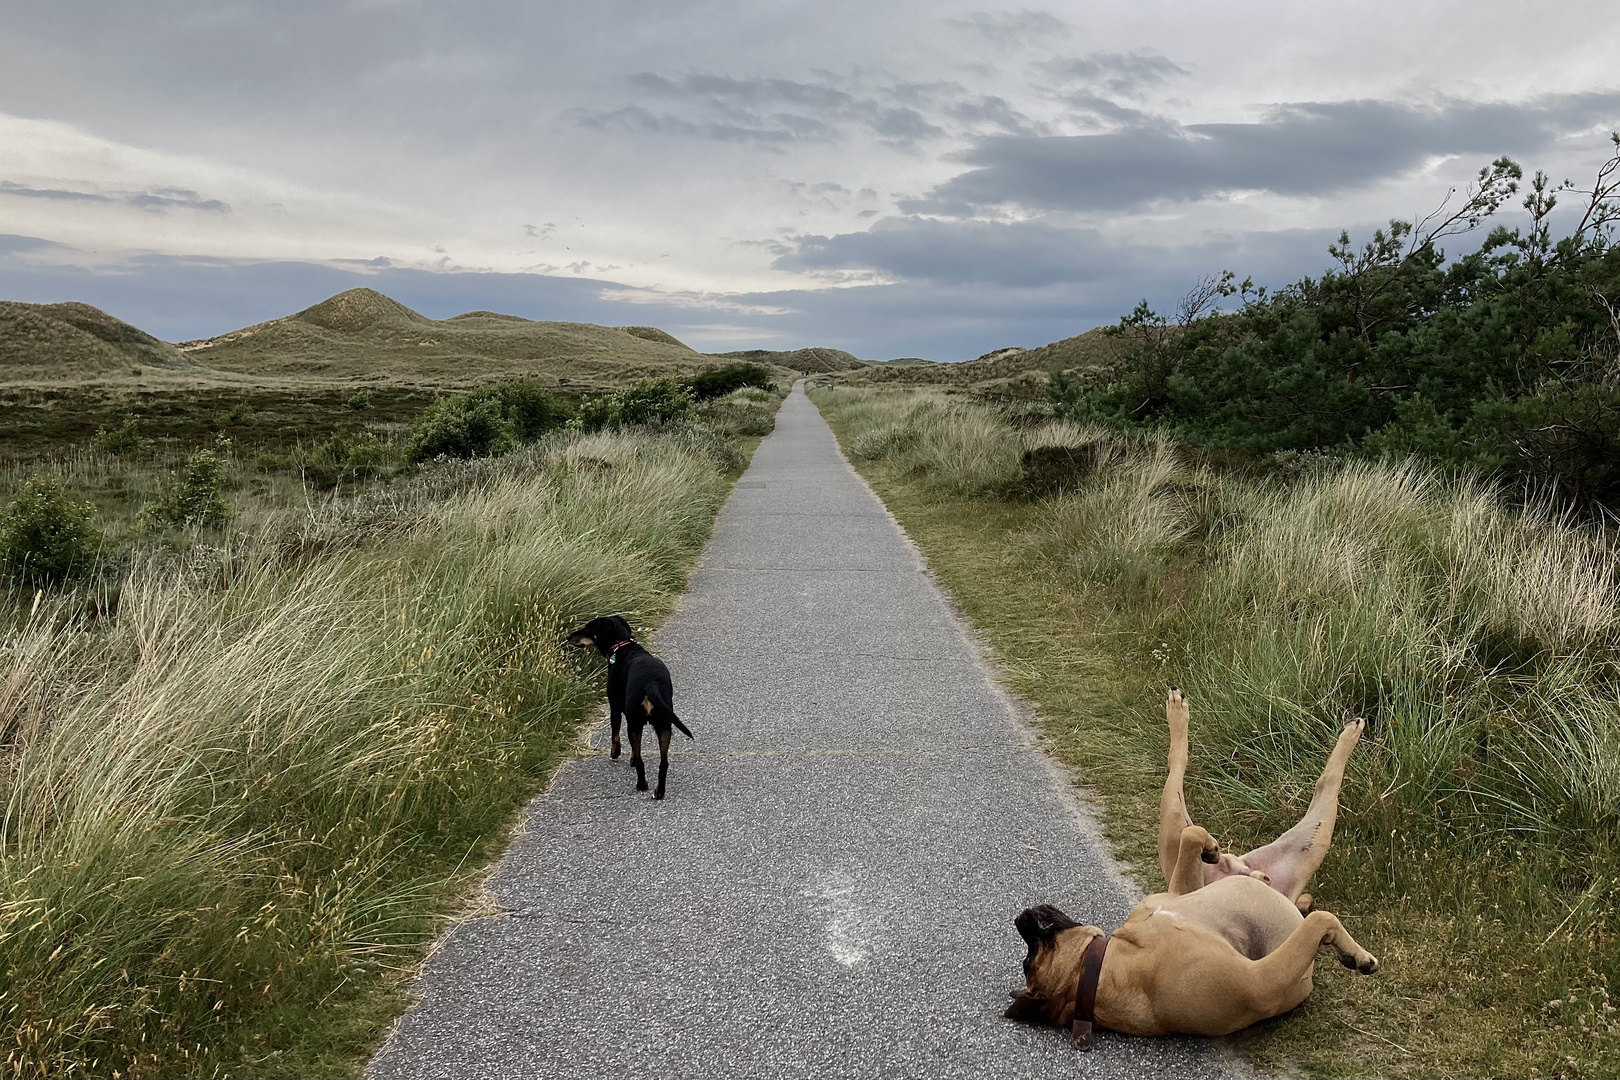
pixel 1085 994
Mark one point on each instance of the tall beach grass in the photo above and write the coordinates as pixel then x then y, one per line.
pixel 245 785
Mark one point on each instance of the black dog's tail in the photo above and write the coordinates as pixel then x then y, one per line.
pixel 657 698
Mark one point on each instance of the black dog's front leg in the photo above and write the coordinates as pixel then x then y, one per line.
pixel 615 708
pixel 636 724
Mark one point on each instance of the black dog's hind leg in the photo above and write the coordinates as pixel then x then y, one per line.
pixel 636 724
pixel 663 756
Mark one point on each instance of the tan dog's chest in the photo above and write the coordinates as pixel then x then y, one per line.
pixel 1156 977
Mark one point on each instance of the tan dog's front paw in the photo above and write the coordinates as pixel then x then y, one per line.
pixel 1259 875
pixel 1367 963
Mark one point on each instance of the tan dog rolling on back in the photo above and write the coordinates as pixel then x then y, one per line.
pixel 1228 944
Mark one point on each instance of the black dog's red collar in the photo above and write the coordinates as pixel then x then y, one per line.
pixel 1085 992
pixel 621 644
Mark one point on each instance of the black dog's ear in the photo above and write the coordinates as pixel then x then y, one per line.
pixel 620 628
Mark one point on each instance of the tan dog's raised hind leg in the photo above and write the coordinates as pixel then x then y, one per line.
pixel 1293 857
pixel 1173 818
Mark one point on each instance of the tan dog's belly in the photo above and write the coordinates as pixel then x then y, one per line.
pixel 1189 963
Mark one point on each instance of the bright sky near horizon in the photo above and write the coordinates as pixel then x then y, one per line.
pixel 894 177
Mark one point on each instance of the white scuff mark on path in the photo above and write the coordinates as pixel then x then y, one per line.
pixel 845 938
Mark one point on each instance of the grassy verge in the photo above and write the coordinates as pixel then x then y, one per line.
pixel 244 783
pixel 1476 848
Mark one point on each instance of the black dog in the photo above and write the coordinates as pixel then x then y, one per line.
pixel 638 690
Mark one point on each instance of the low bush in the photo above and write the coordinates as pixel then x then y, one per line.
pixel 1499 361
pixel 122 440
pixel 719 381
pixel 650 401
pixel 486 422
pixel 46 536
pixel 529 407
pixel 347 457
pixel 196 497
pixel 460 426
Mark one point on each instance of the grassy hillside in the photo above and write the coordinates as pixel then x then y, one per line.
pixel 362 335
pixel 68 342
pixel 812 360
pixel 1005 373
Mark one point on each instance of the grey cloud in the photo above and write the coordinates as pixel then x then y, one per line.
pixel 995 112
pixel 1015 27
pixel 23 191
pixel 175 198
pixel 771 111
pixel 1121 73
pixel 157 200
pixel 903 124
pixel 746 91
pixel 1318 148
pixel 636 118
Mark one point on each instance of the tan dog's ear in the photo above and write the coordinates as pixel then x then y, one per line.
pixel 1026 1008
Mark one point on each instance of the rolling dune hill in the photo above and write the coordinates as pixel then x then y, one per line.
pixel 814 360
pixel 366 336
pixel 70 342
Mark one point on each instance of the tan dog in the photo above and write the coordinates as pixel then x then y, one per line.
pixel 1226 946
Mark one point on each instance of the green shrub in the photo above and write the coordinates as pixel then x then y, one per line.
pixel 346 457
pixel 527 406
pixel 489 421
pixel 360 402
pixel 197 497
pixel 720 381
pixel 240 413
pixel 650 401
pixel 46 535
pixel 461 426
pixel 123 439
pixel 1498 360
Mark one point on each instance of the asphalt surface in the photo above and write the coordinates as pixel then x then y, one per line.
pixel 829 888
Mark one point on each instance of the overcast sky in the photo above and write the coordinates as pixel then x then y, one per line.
pixel 892 177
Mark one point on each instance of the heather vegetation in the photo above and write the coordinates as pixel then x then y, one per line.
pixel 1478 850
pixel 1503 361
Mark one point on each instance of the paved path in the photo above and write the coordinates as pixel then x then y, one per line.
pixel 829 889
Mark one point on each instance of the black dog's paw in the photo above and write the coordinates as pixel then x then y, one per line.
pixel 659 794
pixel 641 785
pixel 614 752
